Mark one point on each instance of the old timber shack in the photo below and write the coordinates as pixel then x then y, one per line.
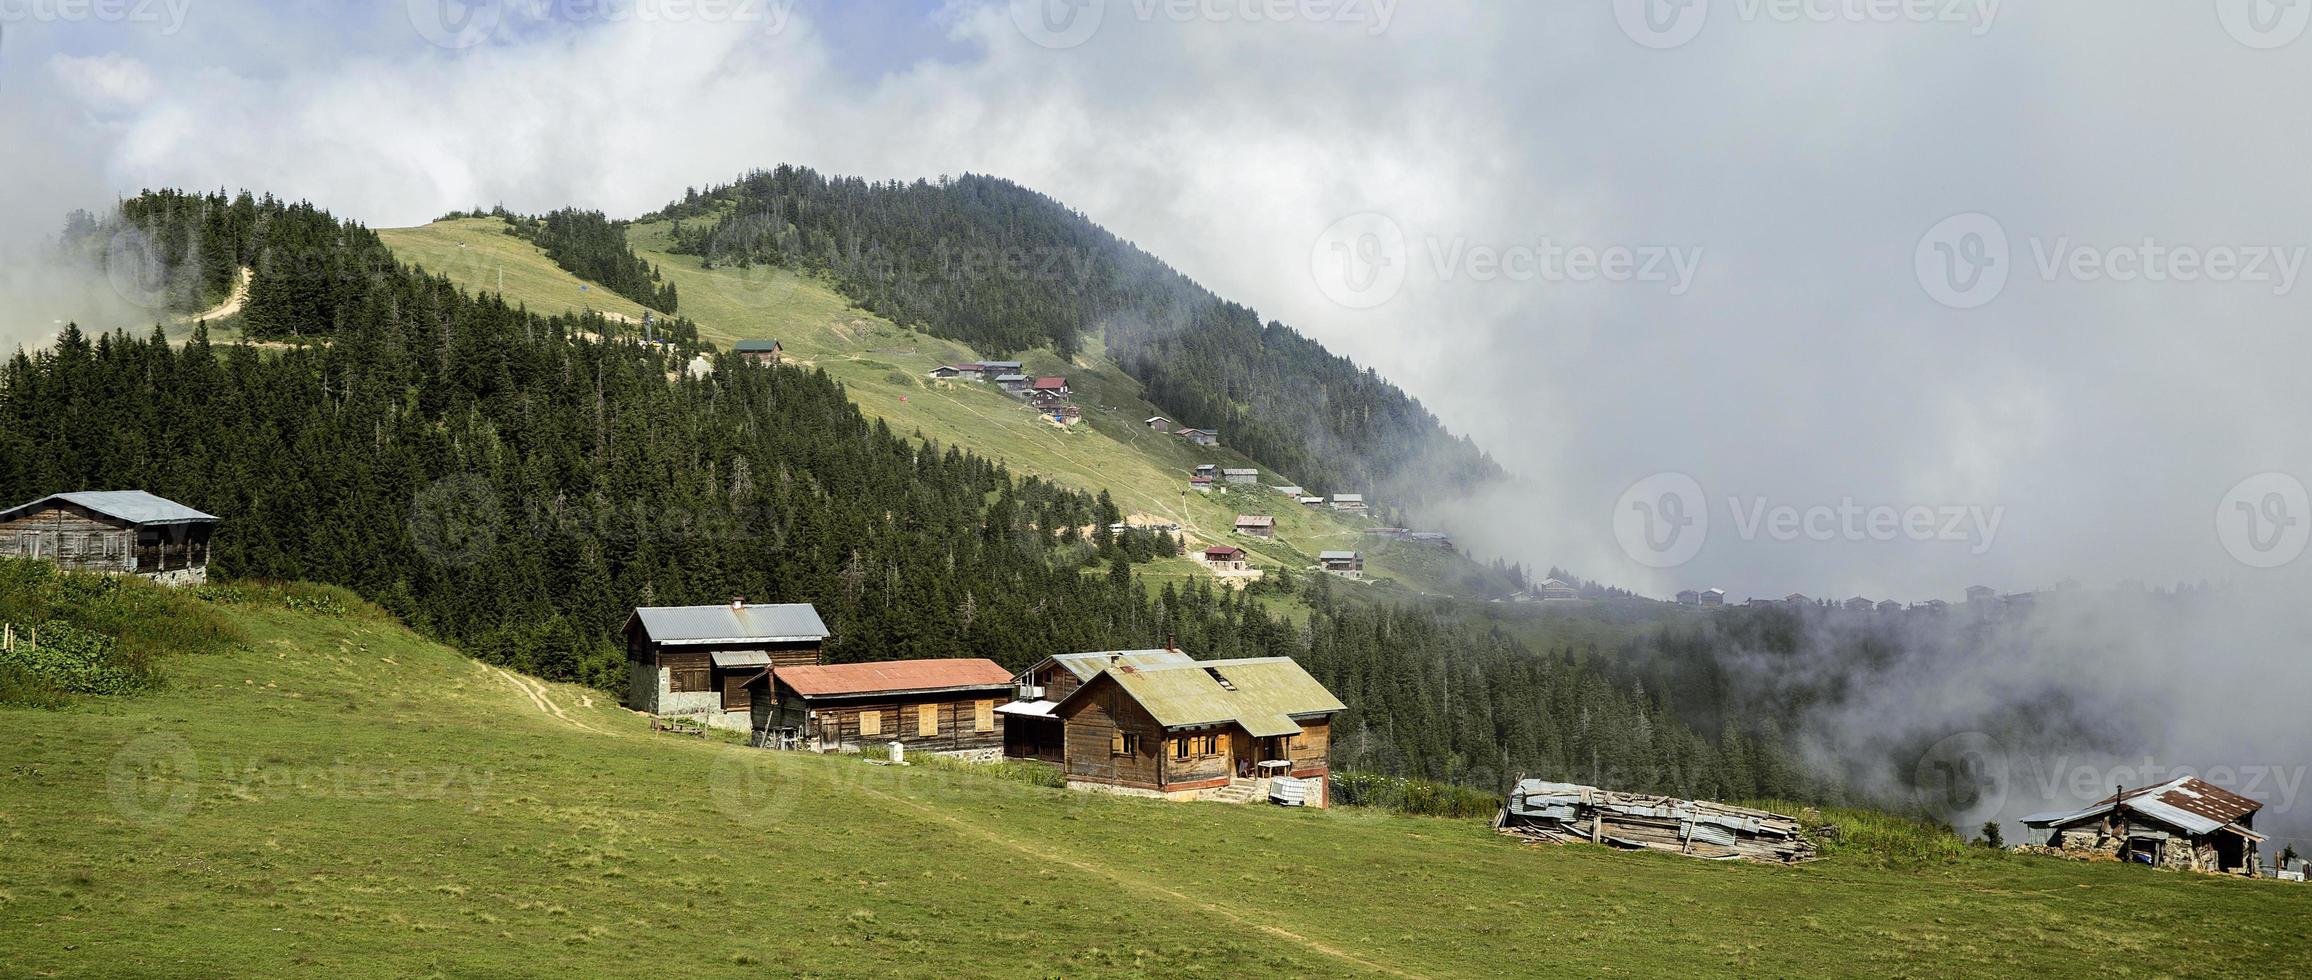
pixel 1560 813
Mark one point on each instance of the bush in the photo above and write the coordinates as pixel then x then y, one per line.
pixel 1412 797
pixel 97 634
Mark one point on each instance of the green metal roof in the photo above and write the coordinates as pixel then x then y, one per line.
pixel 755 346
pixel 1260 694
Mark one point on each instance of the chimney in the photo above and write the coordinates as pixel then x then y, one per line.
pixel 1172 642
pixel 738 603
pixel 1115 658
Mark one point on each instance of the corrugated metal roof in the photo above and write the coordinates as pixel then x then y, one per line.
pixel 1337 556
pixel 1089 665
pixel 755 346
pixel 741 658
pixel 893 676
pixel 1260 694
pixel 135 506
pixel 1348 498
pixel 2189 804
pixel 1255 520
pixel 1234 471
pixel 780 622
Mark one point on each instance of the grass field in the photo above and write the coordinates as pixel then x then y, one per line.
pixel 337 797
pixel 885 366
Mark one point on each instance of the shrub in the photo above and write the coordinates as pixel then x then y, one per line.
pixel 1412 797
pixel 97 634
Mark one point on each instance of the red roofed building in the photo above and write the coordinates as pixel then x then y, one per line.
pixel 1054 385
pixel 940 706
pixel 1224 558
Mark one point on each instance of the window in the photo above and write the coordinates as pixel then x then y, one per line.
pixel 870 723
pixel 1180 748
pixel 688 673
pixel 983 716
pixel 926 720
pixel 1123 743
pixel 1208 745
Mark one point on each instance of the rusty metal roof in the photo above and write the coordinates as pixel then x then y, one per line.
pixel 2189 804
pixel 1089 665
pixel 893 677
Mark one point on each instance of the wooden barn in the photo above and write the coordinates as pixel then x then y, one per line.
pixel 1256 525
pixel 128 532
pixel 1158 723
pixel 941 706
pixel 760 351
pixel 1347 563
pixel 2183 823
pixel 710 661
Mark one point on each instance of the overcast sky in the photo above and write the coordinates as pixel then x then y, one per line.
pixel 1657 261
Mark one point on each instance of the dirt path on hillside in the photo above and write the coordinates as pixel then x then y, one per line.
pixel 1041 851
pixel 542 698
pixel 231 305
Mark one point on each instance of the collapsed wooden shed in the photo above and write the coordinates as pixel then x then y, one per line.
pixel 1560 813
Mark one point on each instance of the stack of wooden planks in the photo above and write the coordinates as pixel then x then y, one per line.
pixel 1559 813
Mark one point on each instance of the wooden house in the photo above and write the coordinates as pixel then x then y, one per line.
pixel 997 369
pixel 1155 723
pixel 1223 558
pixel 946 707
pixel 1158 423
pixel 1860 604
pixel 1713 598
pixel 1206 469
pixel 1559 590
pixel 129 532
pixel 2182 823
pixel 1889 606
pixel 1201 437
pixel 712 661
pixel 1200 484
pixel 1055 387
pixel 1241 477
pixel 949 372
pixel 1014 383
pixel 1689 597
pixel 759 351
pixel 1256 525
pixel 1353 502
pixel 1312 501
pixel 1345 563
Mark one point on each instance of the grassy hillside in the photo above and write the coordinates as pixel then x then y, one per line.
pixel 336 796
pixel 885 366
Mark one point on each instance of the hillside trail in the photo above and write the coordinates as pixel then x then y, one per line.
pixel 542 698
pixel 231 305
pixel 1042 851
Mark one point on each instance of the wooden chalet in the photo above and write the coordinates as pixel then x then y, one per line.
pixel 711 662
pixel 1223 558
pixel 1256 525
pixel 1559 590
pixel 1354 502
pixel 128 532
pixel 1348 563
pixel 1057 387
pixel 759 351
pixel 1158 423
pixel 2183 823
pixel 1159 723
pixel 950 372
pixel 946 707
pixel 1201 437
pixel 1241 477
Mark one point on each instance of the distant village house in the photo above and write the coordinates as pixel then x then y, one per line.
pixel 759 351
pixel 1201 437
pixel 1222 558
pixel 2184 823
pixel 1241 477
pixel 1348 564
pixel 1558 590
pixel 1158 423
pixel 1354 502
pixel 1256 525
pixel 127 532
